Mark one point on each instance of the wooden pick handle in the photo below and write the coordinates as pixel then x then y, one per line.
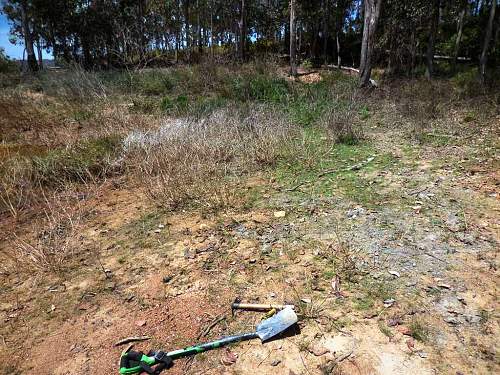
pixel 258 306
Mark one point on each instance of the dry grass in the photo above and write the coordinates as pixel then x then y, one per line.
pixel 51 248
pixel 344 124
pixel 24 178
pixel 199 161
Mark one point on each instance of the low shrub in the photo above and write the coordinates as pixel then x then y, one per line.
pixel 343 122
pixel 197 161
pixel 22 177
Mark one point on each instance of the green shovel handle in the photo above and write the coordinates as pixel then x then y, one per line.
pixel 192 350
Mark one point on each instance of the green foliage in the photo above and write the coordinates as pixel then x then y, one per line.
pixel 419 330
pixel 260 88
pixel 153 82
pixel 6 65
pixel 467 83
pixel 84 162
pixel 176 105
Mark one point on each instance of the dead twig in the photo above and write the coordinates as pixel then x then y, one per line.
pixel 297 186
pixel 132 339
pixel 325 172
pixel 207 330
pixel 435 257
pixel 344 357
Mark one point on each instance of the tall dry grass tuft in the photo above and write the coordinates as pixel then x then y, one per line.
pixel 53 246
pixel 197 161
pixel 342 122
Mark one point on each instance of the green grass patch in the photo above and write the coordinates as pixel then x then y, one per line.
pixel 84 162
pixel 419 330
pixel 318 154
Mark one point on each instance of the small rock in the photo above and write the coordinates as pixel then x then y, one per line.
pixel 404 330
pixel 253 260
pixel 157 230
pixel 451 320
pixel 167 279
pixel 422 354
pixel 395 273
pixel 389 302
pixel 355 212
pixel 393 322
pixel 276 362
pixel 140 323
pixel 279 214
pixel 444 286
pixel 473 319
pixel 410 343
pixel 161 226
pixel 411 283
pixel 466 238
pixel 203 226
pixel 306 300
pixel 318 350
pixel 453 223
pixel 228 358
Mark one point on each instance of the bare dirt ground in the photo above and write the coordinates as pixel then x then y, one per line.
pixel 404 286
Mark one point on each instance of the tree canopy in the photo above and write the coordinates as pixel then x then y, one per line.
pixel 118 33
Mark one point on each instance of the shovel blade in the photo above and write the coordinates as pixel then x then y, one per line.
pixel 276 324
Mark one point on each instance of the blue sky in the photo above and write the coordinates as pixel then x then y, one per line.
pixel 11 50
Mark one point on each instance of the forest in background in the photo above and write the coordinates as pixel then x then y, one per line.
pixel 404 38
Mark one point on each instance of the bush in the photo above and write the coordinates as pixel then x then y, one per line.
pixel 261 88
pixel 6 65
pixel 196 161
pixel 84 162
pixel 343 123
pixel 467 83
pixel 74 84
pixel 22 177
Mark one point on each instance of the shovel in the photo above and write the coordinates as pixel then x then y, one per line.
pixel 137 362
pixel 266 330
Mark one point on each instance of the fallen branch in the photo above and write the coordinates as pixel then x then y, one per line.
pixel 354 167
pixel 433 256
pixel 344 357
pixel 132 339
pixel 351 69
pixel 207 330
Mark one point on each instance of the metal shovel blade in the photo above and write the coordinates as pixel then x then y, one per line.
pixel 276 324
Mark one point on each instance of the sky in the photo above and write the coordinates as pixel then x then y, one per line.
pixel 11 50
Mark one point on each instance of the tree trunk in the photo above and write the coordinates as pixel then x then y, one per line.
pixel 413 57
pixel 460 29
pixel 40 54
pixel 293 40
pixel 339 59
pixel 429 72
pixel 200 40
pixel 372 13
pixel 28 38
pixel 188 35
pixel 211 29
pixel 326 13
pixel 484 54
pixel 243 32
pixel 496 38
